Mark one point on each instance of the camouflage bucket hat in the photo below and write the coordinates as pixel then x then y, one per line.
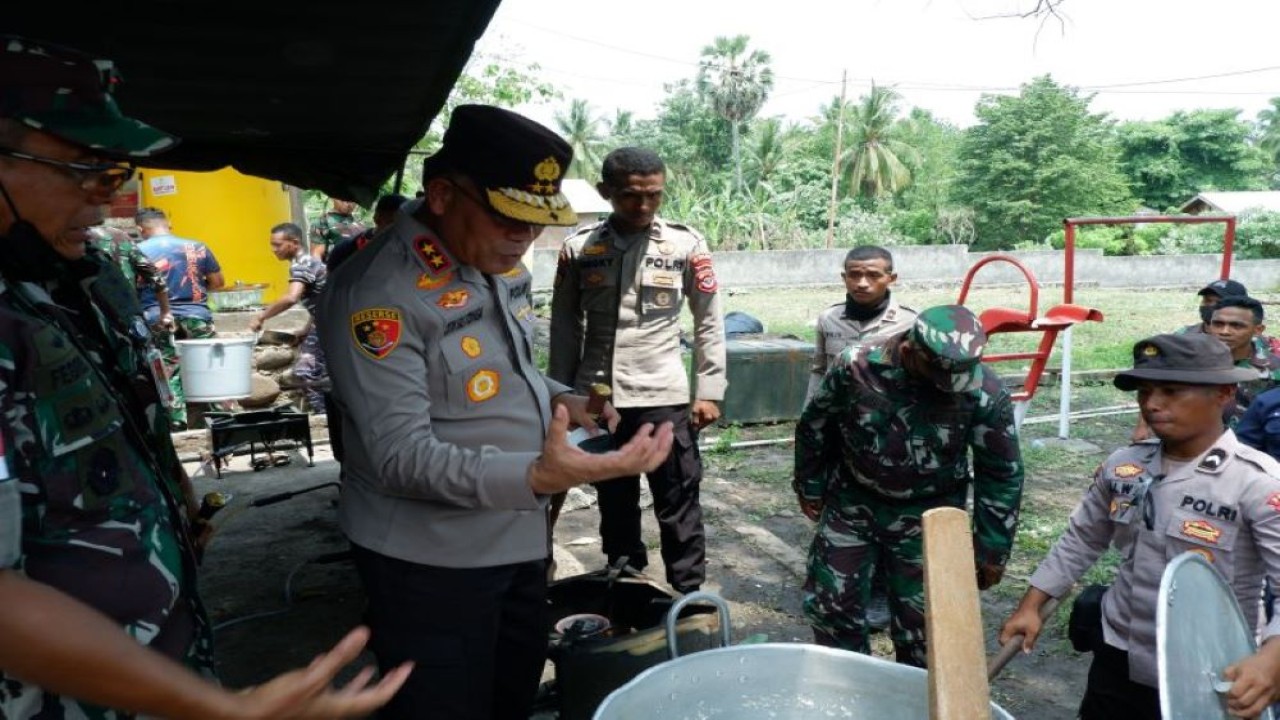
pixel 68 94
pixel 1194 358
pixel 517 163
pixel 952 339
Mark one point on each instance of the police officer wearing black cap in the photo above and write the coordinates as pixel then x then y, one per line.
pixel 1209 296
pixel 1196 488
pixel 453 439
pixel 99 611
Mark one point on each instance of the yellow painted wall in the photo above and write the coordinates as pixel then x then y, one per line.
pixel 231 213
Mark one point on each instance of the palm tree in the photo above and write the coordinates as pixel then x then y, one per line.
pixel 874 159
pixel 1269 131
pixel 581 129
pixel 736 83
pixel 771 142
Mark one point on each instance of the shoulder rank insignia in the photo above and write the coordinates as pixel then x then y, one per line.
pixel 431 255
pixel 1213 460
pixel 376 331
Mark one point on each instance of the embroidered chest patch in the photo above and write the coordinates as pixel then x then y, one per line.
pixel 376 331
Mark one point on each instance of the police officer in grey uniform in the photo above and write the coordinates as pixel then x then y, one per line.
pixel 615 317
pixel 453 438
pixel 869 311
pixel 1197 488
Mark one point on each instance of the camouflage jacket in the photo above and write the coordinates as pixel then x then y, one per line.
pixel 901 440
pixel 1267 364
pixel 121 249
pixel 88 473
pixel 332 228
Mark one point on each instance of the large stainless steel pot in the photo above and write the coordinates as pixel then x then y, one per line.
pixel 774 681
pixel 778 681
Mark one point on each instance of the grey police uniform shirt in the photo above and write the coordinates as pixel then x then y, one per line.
pixel 835 332
pixel 615 315
pixel 443 409
pixel 1224 505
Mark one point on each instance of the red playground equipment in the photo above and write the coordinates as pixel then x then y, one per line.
pixel 1061 318
pixel 1009 320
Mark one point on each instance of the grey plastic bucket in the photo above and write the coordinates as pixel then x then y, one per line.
pixel 218 368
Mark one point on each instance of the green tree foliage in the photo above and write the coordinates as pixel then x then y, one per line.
pixel 873 160
pixel 1168 161
pixel 924 211
pixel 1034 159
pixel 1268 135
pixel 581 129
pixel 687 133
pixel 736 82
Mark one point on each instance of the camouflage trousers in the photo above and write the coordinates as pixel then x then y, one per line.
pixel 312 370
pixel 853 537
pixel 187 328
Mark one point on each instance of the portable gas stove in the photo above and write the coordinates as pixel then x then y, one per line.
pixel 232 430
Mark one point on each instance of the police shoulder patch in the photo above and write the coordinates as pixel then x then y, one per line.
pixel 704 275
pixel 376 331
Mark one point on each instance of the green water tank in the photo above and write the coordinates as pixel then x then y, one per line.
pixel 768 377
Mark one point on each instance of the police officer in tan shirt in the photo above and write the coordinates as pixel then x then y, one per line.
pixel 615 317
pixel 869 311
pixel 1195 489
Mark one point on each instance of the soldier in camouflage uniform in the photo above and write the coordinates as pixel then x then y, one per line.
pixel 906 414
pixel 138 271
pixel 335 226
pixel 98 522
pixel 1238 322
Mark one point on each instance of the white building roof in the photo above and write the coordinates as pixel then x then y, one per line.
pixel 1238 201
pixel 583 197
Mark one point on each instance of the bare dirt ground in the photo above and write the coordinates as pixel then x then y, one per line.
pixel 757 541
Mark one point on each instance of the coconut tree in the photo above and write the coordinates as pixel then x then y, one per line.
pixel 874 159
pixel 581 129
pixel 1268 133
pixel 735 81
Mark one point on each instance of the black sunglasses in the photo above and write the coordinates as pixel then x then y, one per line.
pixel 105 177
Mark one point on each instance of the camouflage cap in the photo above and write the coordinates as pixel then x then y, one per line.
pixel 68 94
pixel 1193 358
pixel 953 340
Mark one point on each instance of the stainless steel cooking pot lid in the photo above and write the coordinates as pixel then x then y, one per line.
pixel 1200 630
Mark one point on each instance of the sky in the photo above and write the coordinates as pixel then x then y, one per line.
pixel 1143 58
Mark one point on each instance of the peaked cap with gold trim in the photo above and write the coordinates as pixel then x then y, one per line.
pixel 517 163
